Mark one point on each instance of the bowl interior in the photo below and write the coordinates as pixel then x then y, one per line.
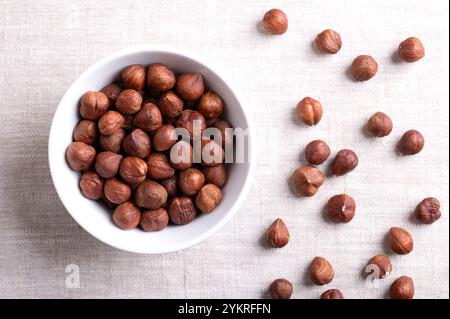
pixel 95 217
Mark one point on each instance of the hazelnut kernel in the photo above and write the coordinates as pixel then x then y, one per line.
pixel 160 78
pixel 149 117
pixel 154 220
pixel 112 142
pixel 379 124
pixel 332 294
pixel 91 185
pixel 107 164
pixel 112 91
pixel 277 235
pixel 150 195
pixel 181 155
pixel 281 289
pixel 400 241
pixel 212 153
pixel 129 101
pixel 364 67
pixel 193 122
pixel 411 143
pixel 93 105
pixel 210 105
pixel 329 41
pixel 341 208
pixel 216 175
pixel 208 198
pixel 110 122
pixel 317 152
pixel 137 144
pixel 159 166
pixel 86 132
pixel 402 288
pixel 321 271
pixel 116 191
pixel 134 77
pixel 170 104
pixel 344 162
pixel 428 210
pixel 171 186
pixel 164 138
pixel 383 265
pixel 411 50
pixel 190 181
pixel 127 215
pixel 133 170
pixel 80 156
pixel 309 111
pixel 190 86
pixel 275 21
pixel 226 132
pixel 182 210
pixel 306 180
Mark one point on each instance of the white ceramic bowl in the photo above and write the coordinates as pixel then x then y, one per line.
pixel 94 217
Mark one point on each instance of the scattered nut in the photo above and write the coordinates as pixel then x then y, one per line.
pixel 278 235
pixel 133 170
pixel 170 104
pixel 116 191
pixel 134 77
pixel 93 105
pixel 383 264
pixel 150 195
pixel 364 67
pixel 402 288
pixel 190 86
pixel 329 41
pixel 428 210
pixel 154 220
pixel 107 164
pixel 281 289
pixel 321 271
pixel 127 215
pixel 380 124
pixel 148 118
pixel 341 208
pixel 80 156
pixel 159 166
pixel 86 132
pixel 112 91
pixel 411 143
pixel 400 241
pixel 160 78
pixel 344 162
pixel 275 21
pixel 137 143
pixel 208 198
pixel 309 111
pixel 112 142
pixel 110 122
pixel 317 152
pixel 332 294
pixel 91 185
pixel 129 101
pixel 182 210
pixel 411 50
pixel 164 138
pixel 210 105
pixel 216 175
pixel 306 180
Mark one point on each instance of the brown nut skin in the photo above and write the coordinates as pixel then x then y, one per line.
pixel 91 185
pixel 187 120
pixel 277 235
pixel 149 118
pixel 317 152
pixel 411 143
pixel 275 22
pixel 363 68
pixel 129 101
pixel 344 162
pixel 134 77
pixel 85 131
pixel 159 166
pixel 93 105
pixel 411 50
pixel 133 170
pixel 321 271
pixel 216 175
pixel 171 186
pixel 208 198
pixel 402 288
pixel 160 78
pixel 128 125
pixel 116 191
pixel 383 264
pixel 154 220
pixel 379 124
pixel 190 181
pixel 212 153
pixel 164 138
pixel 341 208
pixel 110 122
pixel 127 216
pixel 309 111
pixel 170 104
pixel 112 91
pixel 332 294
pixel 190 86
pixel 281 289
pixel 400 241
pixel 107 164
pixel 182 210
pixel 210 105
pixel 113 142
pixel 306 180
pixel 137 144
pixel 226 131
pixel 150 195
pixel 181 155
pixel 80 156
pixel 428 210
pixel 328 41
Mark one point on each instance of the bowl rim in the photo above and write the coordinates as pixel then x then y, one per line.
pixel 52 156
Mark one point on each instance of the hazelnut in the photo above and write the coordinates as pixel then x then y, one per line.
pixel 93 105
pixel 158 166
pixel 383 264
pixel 112 142
pixel 317 152
pixel 216 175
pixel 281 289
pixel 154 220
pixel 80 156
pixel 127 216
pixel 411 50
pixel 309 111
pixel 226 131
pixel 190 181
pixel 181 155
pixel 149 118
pixel 110 122
pixel 193 122
pixel 112 91
pixel 86 132
pixel 411 143
pixel 116 191
pixel 329 41
pixel 277 235
pixel 210 105
pixel 182 210
pixel 107 164
pixel 150 195
pixel 164 138
pixel 171 186
pixel 364 67
pixel 134 77
pixel 379 124
pixel 208 198
pixel 133 170
pixel 160 78
pixel 211 122
pixel 170 104
pixel 190 86
pixel 341 208
pixel 306 180
pixel 137 143
pixel 212 153
pixel 321 271
pixel 91 185
pixel 128 125
pixel 344 162
pixel 275 21
pixel 400 241
pixel 129 101
pixel 402 288
pixel 332 294
pixel 428 210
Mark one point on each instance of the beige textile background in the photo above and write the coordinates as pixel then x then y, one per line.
pixel 46 45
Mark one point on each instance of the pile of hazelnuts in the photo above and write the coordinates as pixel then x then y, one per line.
pixel 123 142
pixel 306 180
